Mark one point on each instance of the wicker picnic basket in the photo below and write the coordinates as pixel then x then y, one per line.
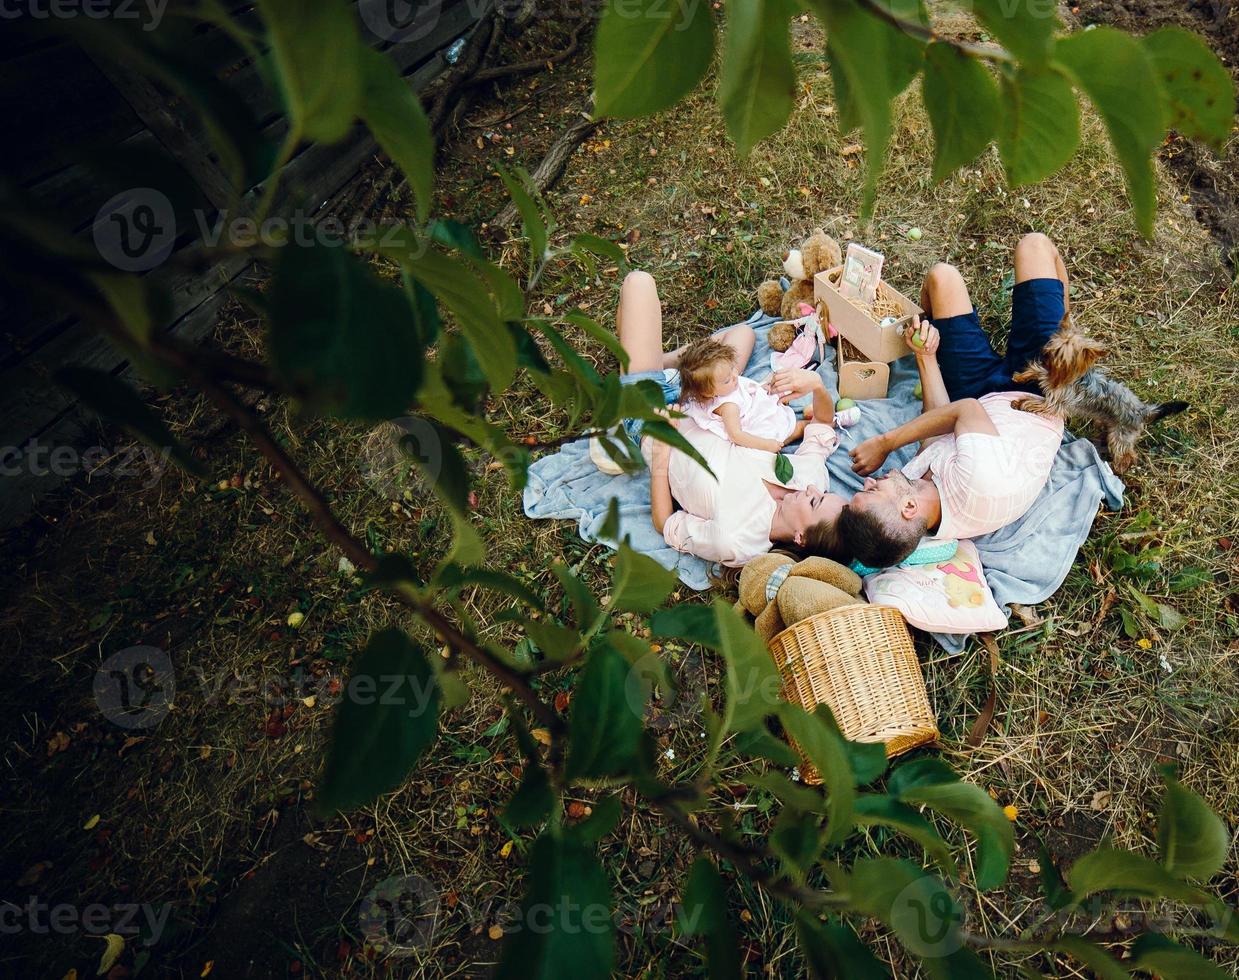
pixel 859 661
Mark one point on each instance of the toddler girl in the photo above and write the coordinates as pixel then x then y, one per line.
pixel 716 396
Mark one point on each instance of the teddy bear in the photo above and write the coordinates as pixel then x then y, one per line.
pixel 779 591
pixel 817 253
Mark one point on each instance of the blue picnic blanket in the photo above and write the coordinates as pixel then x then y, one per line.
pixel 1024 562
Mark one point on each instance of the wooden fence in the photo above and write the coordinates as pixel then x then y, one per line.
pixel 59 111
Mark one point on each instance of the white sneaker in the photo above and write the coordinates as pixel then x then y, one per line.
pixel 598 456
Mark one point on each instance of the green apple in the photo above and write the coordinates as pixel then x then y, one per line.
pixel 843 404
pixel 917 341
pixel 918 391
pixel 914 234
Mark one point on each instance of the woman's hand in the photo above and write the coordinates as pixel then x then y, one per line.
pixel 791 383
pixel 870 455
pixel 928 333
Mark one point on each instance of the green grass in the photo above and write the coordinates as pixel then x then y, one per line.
pixel 1090 700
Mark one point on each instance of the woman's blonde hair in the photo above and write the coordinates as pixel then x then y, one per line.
pixel 698 364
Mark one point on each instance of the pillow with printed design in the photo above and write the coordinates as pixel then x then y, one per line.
pixel 949 596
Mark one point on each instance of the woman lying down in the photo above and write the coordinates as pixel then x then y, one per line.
pixel 744 509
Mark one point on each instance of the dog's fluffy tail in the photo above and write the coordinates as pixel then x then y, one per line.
pixel 1166 409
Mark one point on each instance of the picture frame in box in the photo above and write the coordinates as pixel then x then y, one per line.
pixel 876 342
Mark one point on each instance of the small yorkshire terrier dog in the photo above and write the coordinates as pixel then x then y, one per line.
pixel 1074 388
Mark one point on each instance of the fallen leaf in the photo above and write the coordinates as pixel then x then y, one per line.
pixel 1010 812
pixel 850 150
pixel 33 873
pixel 543 735
pixel 505 850
pixel 495 932
pixel 207 968
pixel 1100 800
pixel 92 823
pixel 111 952
pixel 57 743
pixel 561 701
pixel 576 809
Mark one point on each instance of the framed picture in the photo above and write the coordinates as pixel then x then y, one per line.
pixel 862 271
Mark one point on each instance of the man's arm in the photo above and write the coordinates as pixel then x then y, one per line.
pixel 961 417
pixel 933 388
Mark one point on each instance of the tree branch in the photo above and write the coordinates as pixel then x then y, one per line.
pixel 987 52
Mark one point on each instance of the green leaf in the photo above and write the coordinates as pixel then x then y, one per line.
pixel 1105 966
pixel 1189 579
pixel 1057 894
pixel 703 912
pixel 317 53
pixel 1191 838
pixel 877 810
pixel 823 745
pixel 915 904
pixel 583 603
pixel 1110 870
pixel 351 343
pixel 796 837
pixel 833 951
pixel 533 800
pixel 687 621
pixel 752 685
pixel 962 101
pixel 387 717
pixel 782 468
pixel 608 338
pixel 453 280
pixel 963 964
pixel 867 759
pixel 793 796
pixel 639 584
pixel 557 642
pixel 596 245
pixel 871 63
pixel 115 401
pixel 1105 61
pixel 605 719
pixel 1170 618
pixel 934 784
pixel 531 219
pixel 1154 953
pixel 1199 92
pixel 566 911
pixel 663 431
pixel 394 114
pixel 601 822
pixel 649 54
pixel 760 743
pixel 1041 124
pixel 757 81
pixel 452 576
pixel 574 361
pixel 1025 29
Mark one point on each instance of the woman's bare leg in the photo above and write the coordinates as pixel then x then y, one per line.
pixel 740 338
pixel 1037 257
pixel 639 322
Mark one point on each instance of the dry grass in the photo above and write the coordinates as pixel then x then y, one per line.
pixel 207 811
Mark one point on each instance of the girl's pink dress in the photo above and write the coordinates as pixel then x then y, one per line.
pixel 761 413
